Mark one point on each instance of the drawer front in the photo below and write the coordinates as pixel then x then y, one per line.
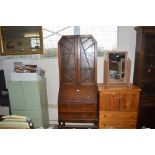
pixel 119 125
pixel 72 93
pixel 78 107
pixel 117 119
pixel 77 115
pixel 117 116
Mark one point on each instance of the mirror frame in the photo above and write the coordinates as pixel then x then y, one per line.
pixel 21 52
pixel 126 80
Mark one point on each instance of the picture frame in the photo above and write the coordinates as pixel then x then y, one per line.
pixel 20 40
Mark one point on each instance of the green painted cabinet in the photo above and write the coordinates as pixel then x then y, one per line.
pixel 29 98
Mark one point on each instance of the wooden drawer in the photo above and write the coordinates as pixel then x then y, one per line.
pixel 77 115
pixel 120 125
pixel 85 94
pixel 117 116
pixel 77 107
pixel 117 119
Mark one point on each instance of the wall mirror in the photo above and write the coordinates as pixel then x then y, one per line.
pixel 21 40
pixel 117 68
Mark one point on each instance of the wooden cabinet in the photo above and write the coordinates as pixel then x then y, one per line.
pixel 144 74
pixel 78 101
pixel 118 106
pixel 29 98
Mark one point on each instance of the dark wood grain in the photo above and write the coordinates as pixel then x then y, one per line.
pixel 144 74
pixel 78 97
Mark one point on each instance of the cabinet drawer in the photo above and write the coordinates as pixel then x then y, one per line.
pixel 77 115
pixel 119 125
pixel 117 119
pixel 117 116
pixel 77 107
pixel 85 93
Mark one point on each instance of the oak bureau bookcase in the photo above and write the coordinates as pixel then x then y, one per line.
pixel 77 101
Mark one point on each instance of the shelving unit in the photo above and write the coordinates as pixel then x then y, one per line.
pixel 144 74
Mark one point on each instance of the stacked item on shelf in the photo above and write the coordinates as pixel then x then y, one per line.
pixel 27 72
pixel 19 67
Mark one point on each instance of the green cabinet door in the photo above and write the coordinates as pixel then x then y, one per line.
pixel 16 95
pixel 32 95
pixel 29 98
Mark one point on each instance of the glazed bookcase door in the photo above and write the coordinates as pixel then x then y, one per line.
pixel 87 60
pixel 148 74
pixel 68 60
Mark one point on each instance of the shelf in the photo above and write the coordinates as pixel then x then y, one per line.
pixel 150 55
pixel 147 105
pixel 148 94
pixel 148 81
pixel 149 67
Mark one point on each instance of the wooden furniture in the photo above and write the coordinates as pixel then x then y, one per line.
pixel 117 68
pixel 118 106
pixel 78 102
pixel 29 98
pixel 21 40
pixel 144 74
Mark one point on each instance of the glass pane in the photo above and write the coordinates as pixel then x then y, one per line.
pixel 148 88
pixel 117 67
pixel 68 61
pixel 21 38
pixel 87 61
pixel 149 45
pixel 149 68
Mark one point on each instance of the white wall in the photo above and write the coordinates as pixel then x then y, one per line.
pixel 126 41
pixel 52 79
